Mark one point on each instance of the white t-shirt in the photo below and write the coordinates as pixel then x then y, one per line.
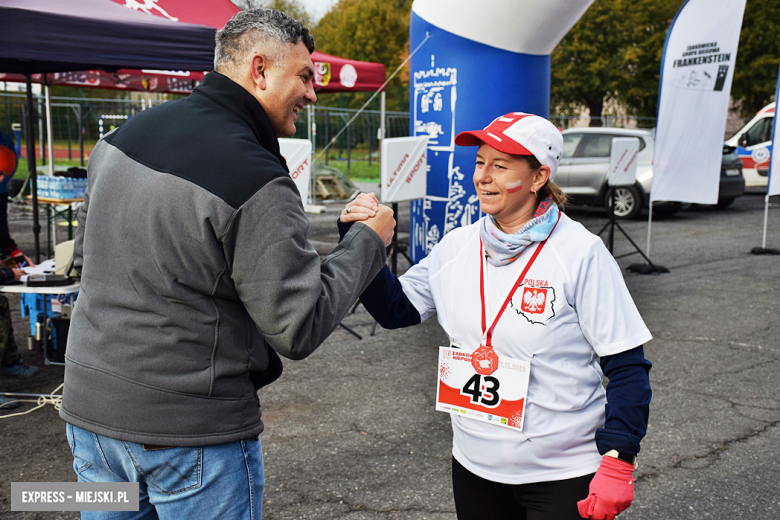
pixel 580 310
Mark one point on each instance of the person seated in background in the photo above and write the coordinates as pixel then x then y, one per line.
pixel 11 362
pixel 11 254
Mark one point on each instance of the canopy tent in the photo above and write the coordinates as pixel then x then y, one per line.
pixel 333 74
pixel 53 36
pixel 43 37
pixel 56 36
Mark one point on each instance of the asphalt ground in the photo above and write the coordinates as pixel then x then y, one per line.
pixel 351 432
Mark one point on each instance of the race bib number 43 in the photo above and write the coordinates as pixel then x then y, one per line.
pixel 498 398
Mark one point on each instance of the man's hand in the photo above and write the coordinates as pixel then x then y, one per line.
pixel 383 224
pixel 362 208
pixel 365 208
pixel 18 273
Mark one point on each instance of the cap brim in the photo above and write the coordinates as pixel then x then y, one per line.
pixel 502 144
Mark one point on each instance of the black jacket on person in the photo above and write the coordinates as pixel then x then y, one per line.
pixel 196 272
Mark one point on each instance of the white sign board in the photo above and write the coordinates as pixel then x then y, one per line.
pixel 622 161
pixel 297 153
pixel 404 168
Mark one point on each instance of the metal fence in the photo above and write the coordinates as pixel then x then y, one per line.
pixel 348 142
pixel 733 123
pixel 76 121
pixel 77 126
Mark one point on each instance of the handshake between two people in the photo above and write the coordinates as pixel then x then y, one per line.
pixel 367 209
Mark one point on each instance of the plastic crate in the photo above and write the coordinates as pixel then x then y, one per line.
pixel 32 306
pixel 61 187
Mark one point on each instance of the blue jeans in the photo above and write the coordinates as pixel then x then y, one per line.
pixel 222 481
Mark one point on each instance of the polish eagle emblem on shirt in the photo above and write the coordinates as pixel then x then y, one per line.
pixel 533 300
pixel 536 304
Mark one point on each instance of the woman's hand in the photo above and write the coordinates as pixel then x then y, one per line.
pixel 18 273
pixel 611 490
pixel 362 208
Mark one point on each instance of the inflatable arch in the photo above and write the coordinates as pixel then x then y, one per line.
pixel 481 60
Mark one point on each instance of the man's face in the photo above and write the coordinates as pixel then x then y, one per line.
pixel 290 86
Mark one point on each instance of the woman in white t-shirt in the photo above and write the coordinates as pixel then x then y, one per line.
pixel 528 289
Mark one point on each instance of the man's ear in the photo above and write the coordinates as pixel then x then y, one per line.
pixel 259 71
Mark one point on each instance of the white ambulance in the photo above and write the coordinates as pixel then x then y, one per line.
pixel 754 146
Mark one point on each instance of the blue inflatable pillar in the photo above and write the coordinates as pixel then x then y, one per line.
pixel 481 60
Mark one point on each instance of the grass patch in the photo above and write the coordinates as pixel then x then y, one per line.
pixel 22 171
pixel 359 171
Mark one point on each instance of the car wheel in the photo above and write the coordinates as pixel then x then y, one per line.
pixel 628 202
pixel 725 203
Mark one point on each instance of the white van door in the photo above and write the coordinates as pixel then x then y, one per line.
pixel 754 147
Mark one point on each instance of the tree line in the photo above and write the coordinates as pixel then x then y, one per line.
pixel 610 58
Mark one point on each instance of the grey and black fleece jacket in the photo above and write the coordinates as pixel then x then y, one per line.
pixel 195 273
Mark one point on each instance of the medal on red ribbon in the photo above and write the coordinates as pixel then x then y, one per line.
pixel 484 360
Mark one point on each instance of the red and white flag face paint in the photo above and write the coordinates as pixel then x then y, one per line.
pixel 514 187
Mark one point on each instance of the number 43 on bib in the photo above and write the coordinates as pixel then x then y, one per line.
pixel 498 398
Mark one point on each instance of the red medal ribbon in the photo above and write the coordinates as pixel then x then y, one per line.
pixel 488 342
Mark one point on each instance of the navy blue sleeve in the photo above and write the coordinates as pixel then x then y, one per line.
pixel 343 228
pixel 628 401
pixel 384 297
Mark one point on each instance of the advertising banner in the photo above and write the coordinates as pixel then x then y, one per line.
pixel 622 161
pixel 297 153
pixel 774 166
pixel 696 73
pixel 404 168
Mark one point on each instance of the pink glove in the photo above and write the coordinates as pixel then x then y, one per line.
pixel 611 490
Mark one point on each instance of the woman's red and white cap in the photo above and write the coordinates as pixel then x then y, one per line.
pixel 519 133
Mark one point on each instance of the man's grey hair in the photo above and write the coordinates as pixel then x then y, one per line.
pixel 266 30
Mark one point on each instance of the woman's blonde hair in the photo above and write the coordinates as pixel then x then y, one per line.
pixel 548 190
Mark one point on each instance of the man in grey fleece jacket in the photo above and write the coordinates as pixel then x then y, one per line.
pixel 195 274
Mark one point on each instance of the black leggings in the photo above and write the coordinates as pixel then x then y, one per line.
pixel 479 499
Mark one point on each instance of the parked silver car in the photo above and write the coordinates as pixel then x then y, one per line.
pixel 582 172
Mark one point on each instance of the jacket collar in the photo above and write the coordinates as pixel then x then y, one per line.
pixel 233 97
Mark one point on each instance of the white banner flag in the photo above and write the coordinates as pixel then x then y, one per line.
pixel 696 73
pixel 774 166
pixel 297 153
